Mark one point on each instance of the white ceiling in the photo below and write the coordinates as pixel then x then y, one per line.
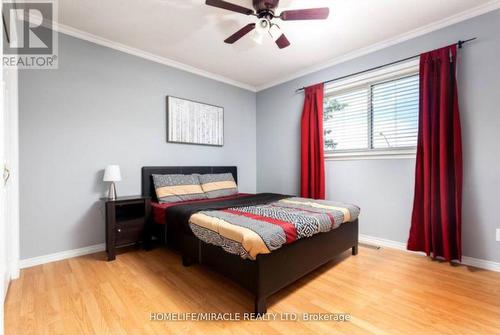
pixel 189 32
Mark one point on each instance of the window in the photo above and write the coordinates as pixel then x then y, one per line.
pixel 377 115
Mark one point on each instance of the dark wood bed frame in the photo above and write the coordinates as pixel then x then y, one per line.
pixel 269 273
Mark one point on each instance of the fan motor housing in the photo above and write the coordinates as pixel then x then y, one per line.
pixel 263 6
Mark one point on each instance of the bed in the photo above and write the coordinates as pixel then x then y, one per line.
pixel 264 274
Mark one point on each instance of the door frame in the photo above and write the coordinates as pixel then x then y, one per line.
pixel 9 227
pixel 4 273
pixel 12 161
pixel 9 80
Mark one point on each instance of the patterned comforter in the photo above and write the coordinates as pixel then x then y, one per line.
pixel 259 229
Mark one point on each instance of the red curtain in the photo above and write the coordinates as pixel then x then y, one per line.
pixel 437 206
pixel 312 152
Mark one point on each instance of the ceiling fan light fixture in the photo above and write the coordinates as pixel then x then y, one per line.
pixel 258 37
pixel 262 26
pixel 275 32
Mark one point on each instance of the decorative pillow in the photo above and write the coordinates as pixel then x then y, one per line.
pixel 177 187
pixel 218 185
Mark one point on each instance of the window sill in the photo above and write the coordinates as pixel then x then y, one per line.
pixel 370 155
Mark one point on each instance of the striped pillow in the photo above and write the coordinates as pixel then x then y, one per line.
pixel 218 185
pixel 177 187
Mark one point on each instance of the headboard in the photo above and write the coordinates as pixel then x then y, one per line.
pixel 148 188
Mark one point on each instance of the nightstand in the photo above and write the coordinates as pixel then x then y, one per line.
pixel 126 222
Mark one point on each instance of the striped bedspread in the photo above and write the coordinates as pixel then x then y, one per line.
pixel 253 230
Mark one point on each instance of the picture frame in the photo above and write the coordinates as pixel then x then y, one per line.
pixel 193 122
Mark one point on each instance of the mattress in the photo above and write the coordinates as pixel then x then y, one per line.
pixel 249 225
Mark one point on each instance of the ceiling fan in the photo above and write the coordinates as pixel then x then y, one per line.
pixel 265 11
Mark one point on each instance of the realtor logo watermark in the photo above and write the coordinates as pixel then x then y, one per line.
pixel 29 40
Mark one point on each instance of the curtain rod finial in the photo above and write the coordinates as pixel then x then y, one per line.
pixel 461 43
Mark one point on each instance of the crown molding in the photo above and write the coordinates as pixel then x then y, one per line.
pixel 451 20
pixel 80 34
pixel 463 16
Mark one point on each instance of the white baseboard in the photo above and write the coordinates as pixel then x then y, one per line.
pixel 14 270
pixel 481 263
pixel 468 261
pixel 29 262
pixel 376 241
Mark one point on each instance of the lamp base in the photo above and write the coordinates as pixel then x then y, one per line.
pixel 112 191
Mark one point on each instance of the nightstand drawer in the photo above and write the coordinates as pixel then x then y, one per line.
pixel 131 224
pixel 129 231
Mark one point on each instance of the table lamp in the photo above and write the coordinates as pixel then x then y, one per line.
pixel 112 174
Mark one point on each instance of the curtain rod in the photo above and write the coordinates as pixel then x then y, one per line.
pixel 459 43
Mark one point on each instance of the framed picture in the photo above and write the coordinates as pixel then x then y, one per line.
pixel 192 122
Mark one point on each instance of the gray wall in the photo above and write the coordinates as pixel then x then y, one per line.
pixel 103 107
pixel 106 107
pixel 384 188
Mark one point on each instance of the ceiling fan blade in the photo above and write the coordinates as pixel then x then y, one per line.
pixel 282 42
pixel 229 6
pixel 305 14
pixel 240 33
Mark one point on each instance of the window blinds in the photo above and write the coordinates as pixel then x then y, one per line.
pixel 382 115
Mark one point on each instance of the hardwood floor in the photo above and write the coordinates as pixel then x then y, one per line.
pixel 385 291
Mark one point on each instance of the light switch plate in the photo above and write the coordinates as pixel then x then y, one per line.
pixel 498 235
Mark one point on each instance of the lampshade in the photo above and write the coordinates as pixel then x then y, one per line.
pixel 258 37
pixel 112 173
pixel 262 26
pixel 275 32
